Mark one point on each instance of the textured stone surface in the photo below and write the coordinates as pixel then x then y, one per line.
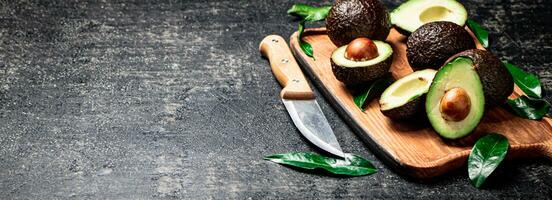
pixel 142 99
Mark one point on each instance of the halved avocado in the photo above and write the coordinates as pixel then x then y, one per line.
pixel 404 98
pixel 350 19
pixel 497 82
pixel 412 14
pixel 455 101
pixel 352 72
pixel 433 43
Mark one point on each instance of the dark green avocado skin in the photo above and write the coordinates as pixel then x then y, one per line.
pixel 350 19
pixel 433 43
pixel 409 110
pixel 359 75
pixel 497 82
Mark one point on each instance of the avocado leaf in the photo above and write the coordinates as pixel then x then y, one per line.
pixel 479 32
pixel 352 165
pixel 529 108
pixel 305 46
pixel 527 82
pixel 307 13
pixel 376 87
pixel 485 156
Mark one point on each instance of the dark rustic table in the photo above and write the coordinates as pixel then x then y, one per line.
pixel 142 99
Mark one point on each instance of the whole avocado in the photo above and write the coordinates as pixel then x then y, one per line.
pixel 497 82
pixel 350 19
pixel 433 43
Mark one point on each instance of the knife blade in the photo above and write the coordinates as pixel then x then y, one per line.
pixel 298 97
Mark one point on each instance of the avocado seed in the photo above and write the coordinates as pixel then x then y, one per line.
pixel 361 49
pixel 455 104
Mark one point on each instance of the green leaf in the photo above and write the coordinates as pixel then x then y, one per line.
pixel 481 34
pixel 485 156
pixel 305 46
pixel 309 13
pixel 527 82
pixel 529 108
pixel 352 165
pixel 301 10
pixel 376 87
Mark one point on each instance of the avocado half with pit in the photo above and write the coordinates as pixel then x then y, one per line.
pixel 361 61
pixel 455 102
pixel 412 14
pixel 497 82
pixel 404 99
pixel 433 43
pixel 350 19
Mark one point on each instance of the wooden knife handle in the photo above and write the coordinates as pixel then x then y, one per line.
pixel 285 68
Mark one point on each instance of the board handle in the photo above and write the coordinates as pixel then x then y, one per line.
pixel 285 68
pixel 547 147
pixel 548 150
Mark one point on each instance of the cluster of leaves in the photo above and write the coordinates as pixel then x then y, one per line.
pixel 308 13
pixel 531 105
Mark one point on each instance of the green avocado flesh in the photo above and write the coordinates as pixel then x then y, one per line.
pixel 459 73
pixel 412 14
pixel 384 52
pixel 406 89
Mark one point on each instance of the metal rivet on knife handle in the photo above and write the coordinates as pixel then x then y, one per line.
pixel 285 69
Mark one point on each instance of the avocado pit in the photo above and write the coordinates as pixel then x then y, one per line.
pixel 455 104
pixel 361 49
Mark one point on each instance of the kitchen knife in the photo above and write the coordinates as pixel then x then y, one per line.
pixel 297 95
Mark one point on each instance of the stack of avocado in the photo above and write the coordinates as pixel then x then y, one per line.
pixel 358 28
pixel 453 81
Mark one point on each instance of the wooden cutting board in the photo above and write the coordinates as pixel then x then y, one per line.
pixel 413 148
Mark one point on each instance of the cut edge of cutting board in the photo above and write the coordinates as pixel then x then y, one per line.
pixel 427 170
